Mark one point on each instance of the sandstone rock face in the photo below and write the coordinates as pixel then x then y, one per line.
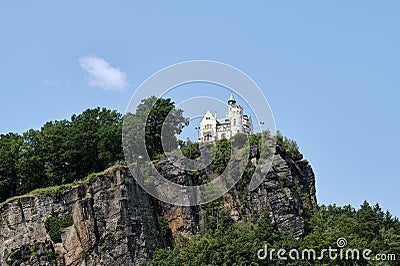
pixel 288 193
pixel 115 222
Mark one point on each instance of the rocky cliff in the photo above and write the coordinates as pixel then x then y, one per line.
pixel 114 222
pixel 109 220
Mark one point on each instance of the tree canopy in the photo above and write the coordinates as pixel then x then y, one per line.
pixel 60 152
pixel 63 151
pixel 161 122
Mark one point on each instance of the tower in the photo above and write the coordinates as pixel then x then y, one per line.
pixel 231 100
pixel 235 114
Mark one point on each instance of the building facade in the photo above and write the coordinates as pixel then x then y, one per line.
pixel 213 128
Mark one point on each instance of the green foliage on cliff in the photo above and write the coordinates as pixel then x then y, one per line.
pixel 165 231
pixel 55 226
pixel 290 146
pixel 60 152
pixel 226 244
pixel 238 243
pixel 190 150
pixel 162 115
pixel 65 151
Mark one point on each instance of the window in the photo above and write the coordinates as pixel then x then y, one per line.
pixel 234 122
pixel 223 136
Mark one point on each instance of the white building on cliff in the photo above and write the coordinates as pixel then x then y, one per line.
pixel 213 128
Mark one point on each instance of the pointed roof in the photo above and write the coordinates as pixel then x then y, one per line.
pixel 231 99
pixel 208 113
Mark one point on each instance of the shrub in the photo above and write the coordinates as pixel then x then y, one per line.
pixel 55 226
pixel 290 146
pixel 191 151
pixel 165 231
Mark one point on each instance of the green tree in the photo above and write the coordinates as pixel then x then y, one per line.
pixel 54 150
pixel 9 152
pixel 94 141
pixel 30 165
pixel 161 113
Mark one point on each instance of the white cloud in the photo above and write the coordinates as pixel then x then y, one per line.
pixel 102 74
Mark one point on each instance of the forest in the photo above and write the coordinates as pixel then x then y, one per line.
pixel 64 151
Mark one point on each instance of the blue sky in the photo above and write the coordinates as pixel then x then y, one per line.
pixel 330 71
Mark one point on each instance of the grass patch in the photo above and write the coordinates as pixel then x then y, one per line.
pixel 47 191
pixel 50 190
